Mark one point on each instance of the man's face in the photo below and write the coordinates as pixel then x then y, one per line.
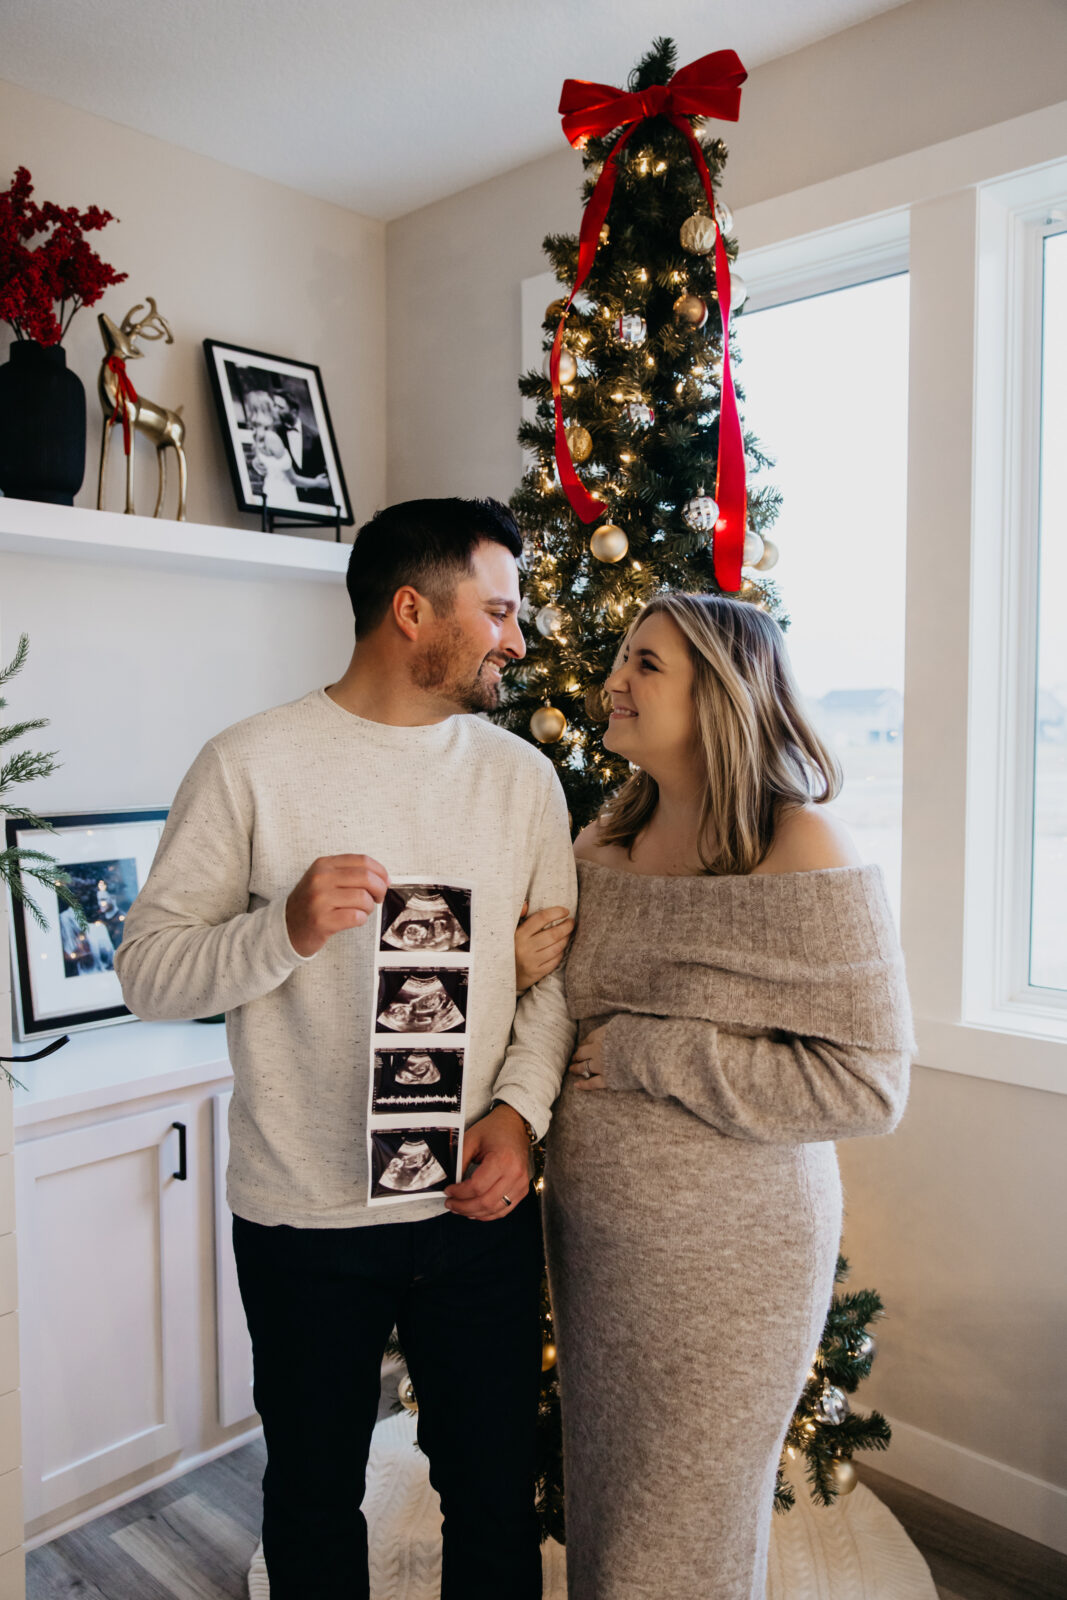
pixel 465 652
pixel 285 411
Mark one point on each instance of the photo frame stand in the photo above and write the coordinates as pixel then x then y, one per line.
pixel 270 522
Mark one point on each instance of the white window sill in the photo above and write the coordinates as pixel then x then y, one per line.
pixel 1030 1054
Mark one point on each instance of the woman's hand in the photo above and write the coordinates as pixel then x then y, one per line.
pixel 587 1061
pixel 540 942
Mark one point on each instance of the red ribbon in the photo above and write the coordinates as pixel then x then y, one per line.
pixel 709 87
pixel 124 393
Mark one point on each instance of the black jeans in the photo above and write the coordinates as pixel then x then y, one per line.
pixel 465 1298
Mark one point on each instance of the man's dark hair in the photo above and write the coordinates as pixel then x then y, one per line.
pixel 427 544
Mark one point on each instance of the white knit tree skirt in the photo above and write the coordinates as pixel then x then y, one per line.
pixel 854 1550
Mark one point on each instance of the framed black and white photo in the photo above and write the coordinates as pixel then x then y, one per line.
pixel 64 975
pixel 278 434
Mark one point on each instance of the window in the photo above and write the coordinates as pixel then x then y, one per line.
pixel 1048 901
pixel 825 380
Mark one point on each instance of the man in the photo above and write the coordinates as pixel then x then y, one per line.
pixel 261 903
pixel 308 474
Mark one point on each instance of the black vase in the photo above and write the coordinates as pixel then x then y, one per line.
pixel 42 425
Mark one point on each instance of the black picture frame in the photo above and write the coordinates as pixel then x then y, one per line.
pixel 254 392
pixel 61 982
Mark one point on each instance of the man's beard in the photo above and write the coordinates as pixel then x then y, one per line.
pixel 436 669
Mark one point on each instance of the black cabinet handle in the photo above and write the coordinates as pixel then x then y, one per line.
pixel 182 1172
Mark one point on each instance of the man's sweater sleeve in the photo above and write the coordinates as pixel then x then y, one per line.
pixel 190 946
pixel 542 1037
pixel 773 1088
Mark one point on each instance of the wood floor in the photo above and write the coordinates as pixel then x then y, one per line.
pixel 193 1540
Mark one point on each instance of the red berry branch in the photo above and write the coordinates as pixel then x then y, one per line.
pixel 41 288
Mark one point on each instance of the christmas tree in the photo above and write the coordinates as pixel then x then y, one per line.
pixel 641 394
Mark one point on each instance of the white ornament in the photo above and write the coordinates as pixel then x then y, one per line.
pixel 752 553
pixel 568 366
pixel 698 234
pixel 738 291
pixel 701 513
pixel 549 620
pixel 640 414
pixel 631 329
pixel 769 558
pixel 725 216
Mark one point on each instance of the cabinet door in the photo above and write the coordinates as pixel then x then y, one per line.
pixel 107 1286
pixel 231 1329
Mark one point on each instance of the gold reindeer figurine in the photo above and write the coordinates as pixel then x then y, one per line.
pixel 122 403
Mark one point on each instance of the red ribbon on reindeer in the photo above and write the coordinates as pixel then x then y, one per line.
pixel 708 87
pixel 125 392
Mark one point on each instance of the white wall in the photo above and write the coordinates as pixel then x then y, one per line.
pixel 958 1219
pixel 226 256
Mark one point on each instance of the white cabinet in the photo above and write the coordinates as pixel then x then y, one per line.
pixel 107 1289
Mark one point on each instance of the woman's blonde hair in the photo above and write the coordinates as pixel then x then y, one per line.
pixel 762 755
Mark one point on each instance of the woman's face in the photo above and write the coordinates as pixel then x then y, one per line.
pixel 653 720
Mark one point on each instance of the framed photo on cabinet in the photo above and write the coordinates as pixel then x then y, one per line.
pixel 64 975
pixel 279 439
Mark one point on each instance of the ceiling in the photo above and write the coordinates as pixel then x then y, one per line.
pixel 378 105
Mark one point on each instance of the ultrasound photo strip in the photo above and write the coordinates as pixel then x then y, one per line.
pixel 418 1046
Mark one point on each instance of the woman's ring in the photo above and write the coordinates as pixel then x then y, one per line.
pixel 587 1073
pixel 506 1199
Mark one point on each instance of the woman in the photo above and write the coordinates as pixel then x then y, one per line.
pixel 740 997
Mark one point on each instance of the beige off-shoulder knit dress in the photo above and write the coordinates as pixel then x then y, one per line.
pixel 693 1209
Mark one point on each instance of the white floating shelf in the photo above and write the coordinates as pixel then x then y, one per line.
pixel 28 527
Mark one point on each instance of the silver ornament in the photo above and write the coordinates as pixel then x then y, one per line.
pixel 769 558
pixel 738 291
pixel 547 725
pixel 701 513
pixel 690 310
pixel 631 329
pixel 549 620
pixel 725 216
pixel 698 234
pixel 753 550
pixel 865 1347
pixel 640 414
pixel 568 366
pixel 832 1405
pixel 609 543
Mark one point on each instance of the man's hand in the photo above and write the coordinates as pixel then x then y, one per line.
pixel 500 1150
pixel 336 892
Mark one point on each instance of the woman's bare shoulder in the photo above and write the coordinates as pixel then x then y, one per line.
pixel 810 839
pixel 589 846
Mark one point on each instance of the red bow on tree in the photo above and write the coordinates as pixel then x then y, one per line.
pixel 709 87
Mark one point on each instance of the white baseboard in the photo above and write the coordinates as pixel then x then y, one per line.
pixel 178 1470
pixel 986 1488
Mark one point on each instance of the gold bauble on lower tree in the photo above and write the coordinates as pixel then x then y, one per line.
pixel 555 310
pixel 547 724
pixel 579 443
pixel 845 1479
pixel 609 543
pixel 548 1357
pixel 690 310
pixel 769 558
pixel 568 366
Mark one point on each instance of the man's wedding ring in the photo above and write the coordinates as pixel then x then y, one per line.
pixel 506 1199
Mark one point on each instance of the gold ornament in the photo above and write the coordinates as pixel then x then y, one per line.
pixel 690 310
pixel 547 725
pixel 698 234
pixel 405 1391
pixel 568 366
pixel 548 1356
pixel 579 443
pixel 555 310
pixel 845 1479
pixel 769 558
pixel 752 554
pixel 159 426
pixel 597 704
pixel 609 543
